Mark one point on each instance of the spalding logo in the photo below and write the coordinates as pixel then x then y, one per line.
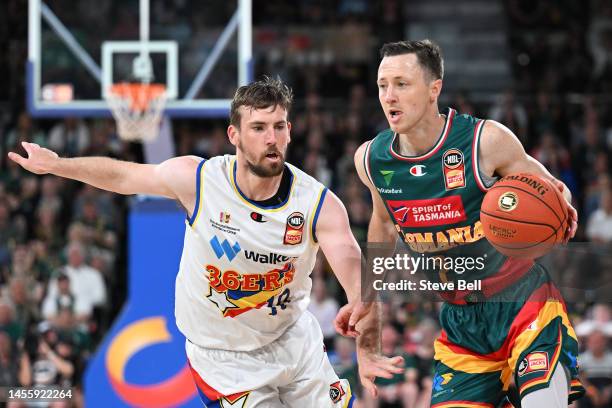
pixel 531 182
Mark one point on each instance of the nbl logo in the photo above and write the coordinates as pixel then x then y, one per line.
pixel 453 158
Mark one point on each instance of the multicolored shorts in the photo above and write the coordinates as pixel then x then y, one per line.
pixel 483 346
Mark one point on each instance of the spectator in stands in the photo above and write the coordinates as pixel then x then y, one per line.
pixel 23 301
pixel 13 364
pixel 599 226
pixel 596 368
pixel 419 365
pixel 510 112
pixel 599 317
pixel 24 131
pixel 69 137
pixel 86 283
pixel 324 308
pixel 51 364
pixel 63 298
pixel 8 324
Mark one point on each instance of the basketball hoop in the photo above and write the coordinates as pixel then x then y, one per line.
pixel 137 107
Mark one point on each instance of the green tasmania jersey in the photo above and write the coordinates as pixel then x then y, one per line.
pixel 434 200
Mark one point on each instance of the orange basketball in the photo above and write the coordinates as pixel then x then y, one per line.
pixel 524 215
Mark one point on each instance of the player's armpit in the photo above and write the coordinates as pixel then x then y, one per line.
pixel 178 176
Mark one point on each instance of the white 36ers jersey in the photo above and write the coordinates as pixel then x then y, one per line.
pixel 245 271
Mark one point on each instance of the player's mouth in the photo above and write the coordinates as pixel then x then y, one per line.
pixel 395 115
pixel 274 156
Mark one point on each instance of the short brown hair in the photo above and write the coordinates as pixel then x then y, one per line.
pixel 268 92
pixel 428 53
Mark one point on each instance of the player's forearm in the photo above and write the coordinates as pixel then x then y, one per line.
pixel 380 230
pixel 101 172
pixel 346 264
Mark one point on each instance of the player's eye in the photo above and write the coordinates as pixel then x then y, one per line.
pixel 382 86
pixel 258 128
pixel 280 127
pixel 402 84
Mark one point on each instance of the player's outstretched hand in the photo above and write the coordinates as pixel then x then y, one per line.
pixel 572 224
pixel 39 160
pixel 348 316
pixel 373 365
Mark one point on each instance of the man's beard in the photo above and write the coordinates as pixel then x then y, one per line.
pixel 263 170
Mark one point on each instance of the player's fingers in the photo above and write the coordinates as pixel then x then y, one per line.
pixel 572 223
pixel 28 147
pixel 359 311
pixel 394 365
pixel 17 158
pixel 374 370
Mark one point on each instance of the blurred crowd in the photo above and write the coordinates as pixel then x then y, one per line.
pixel 62 244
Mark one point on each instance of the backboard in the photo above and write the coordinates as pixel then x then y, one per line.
pixel 200 51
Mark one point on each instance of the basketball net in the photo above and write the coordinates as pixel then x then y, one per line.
pixel 137 107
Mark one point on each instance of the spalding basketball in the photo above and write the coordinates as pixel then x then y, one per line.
pixel 524 215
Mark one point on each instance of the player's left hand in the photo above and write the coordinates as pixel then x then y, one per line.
pixel 349 315
pixel 572 222
pixel 373 365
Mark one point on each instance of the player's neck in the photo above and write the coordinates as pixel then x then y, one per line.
pixel 423 136
pixel 255 187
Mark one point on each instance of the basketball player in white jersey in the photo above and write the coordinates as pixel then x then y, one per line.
pixel 254 226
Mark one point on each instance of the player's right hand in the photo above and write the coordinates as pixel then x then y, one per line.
pixel 372 365
pixel 348 316
pixel 39 160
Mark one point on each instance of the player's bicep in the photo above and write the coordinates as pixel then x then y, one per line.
pixel 502 153
pixel 333 232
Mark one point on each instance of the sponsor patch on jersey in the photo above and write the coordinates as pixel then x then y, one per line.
pixel 336 392
pixel 257 217
pixel 418 170
pixel 428 212
pixel 454 169
pixel 267 258
pixel 536 361
pixel 224 217
pixel 294 229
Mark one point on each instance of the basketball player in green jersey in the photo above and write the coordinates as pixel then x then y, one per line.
pixel 428 175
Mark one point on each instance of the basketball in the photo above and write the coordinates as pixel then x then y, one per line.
pixel 524 215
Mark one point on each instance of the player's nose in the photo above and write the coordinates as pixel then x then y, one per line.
pixel 270 137
pixel 389 96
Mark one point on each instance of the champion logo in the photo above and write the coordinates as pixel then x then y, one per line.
pixel 257 217
pixel 418 170
pixel 224 247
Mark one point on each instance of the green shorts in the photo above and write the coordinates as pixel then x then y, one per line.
pixel 484 345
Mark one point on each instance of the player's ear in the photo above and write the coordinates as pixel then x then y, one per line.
pixel 288 131
pixel 232 134
pixel 435 87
